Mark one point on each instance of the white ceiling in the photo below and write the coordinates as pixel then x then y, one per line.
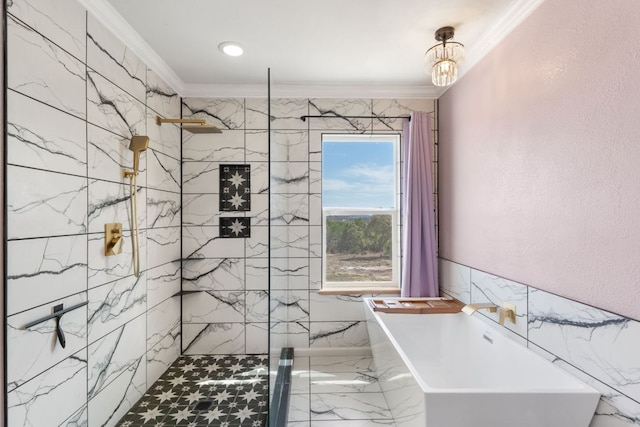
pixel 314 48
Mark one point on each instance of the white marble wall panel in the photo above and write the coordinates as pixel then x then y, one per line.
pixel 111 202
pixel 289 273
pixel 34 350
pixel 162 355
pixel 162 283
pixel 290 146
pixel 34 195
pixel 290 209
pixel 104 269
pixel 112 108
pixel 257 274
pixel 455 280
pixel 56 141
pixel 257 146
pixel 257 336
pixel 257 306
pixel 326 308
pixel 600 343
pixel 395 108
pixel 224 113
pixel 79 419
pixel 260 209
pixel 315 209
pixel 114 304
pixel 316 241
pixel 315 145
pixel 109 155
pixel 52 397
pixel 107 55
pixel 204 242
pixel 202 209
pixel 162 320
pixel 214 338
pixel 339 110
pixel 338 334
pixel 214 307
pixel 163 171
pixel 213 274
pixel 315 273
pixel 227 147
pixel 289 306
pixel 163 209
pixel 201 177
pixel 289 241
pixel 257 246
pixel 115 354
pixel 163 245
pixel 162 99
pixel 40 69
pixel 289 334
pixel 119 396
pixel 62 21
pixel 285 113
pixel 488 288
pixel 290 177
pixel 349 406
pixel 165 137
pixel 55 268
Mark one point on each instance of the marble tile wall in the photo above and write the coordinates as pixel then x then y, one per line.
pixel 232 274
pixel 75 97
pixel 597 346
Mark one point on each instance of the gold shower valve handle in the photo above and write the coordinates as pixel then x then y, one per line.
pixel 113 240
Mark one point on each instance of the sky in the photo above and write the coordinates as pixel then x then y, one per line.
pixel 358 174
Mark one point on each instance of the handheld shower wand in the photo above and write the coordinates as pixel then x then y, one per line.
pixel 138 144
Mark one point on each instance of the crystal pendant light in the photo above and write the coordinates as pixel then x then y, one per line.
pixel 443 59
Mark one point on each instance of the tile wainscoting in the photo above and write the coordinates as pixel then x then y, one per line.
pixel 599 347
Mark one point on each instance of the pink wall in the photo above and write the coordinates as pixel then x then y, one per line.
pixel 540 156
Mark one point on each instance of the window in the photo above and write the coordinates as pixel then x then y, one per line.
pixel 360 192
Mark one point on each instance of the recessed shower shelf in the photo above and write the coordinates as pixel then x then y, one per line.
pixel 187 292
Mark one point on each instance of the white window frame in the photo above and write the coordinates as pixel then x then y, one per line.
pixel 394 212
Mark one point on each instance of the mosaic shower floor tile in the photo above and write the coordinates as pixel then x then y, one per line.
pixel 221 391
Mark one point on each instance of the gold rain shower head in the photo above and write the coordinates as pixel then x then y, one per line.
pixel 192 125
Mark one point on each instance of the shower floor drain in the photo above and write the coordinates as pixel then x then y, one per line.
pixel 203 405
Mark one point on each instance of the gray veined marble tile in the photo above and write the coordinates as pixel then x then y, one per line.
pixel 315 145
pixel 338 112
pixel 163 354
pixel 204 242
pixel 214 306
pixel 214 338
pixel 257 274
pixel 201 178
pixel 343 382
pixel 104 269
pixel 62 21
pixel 257 303
pixel 315 241
pixel 289 273
pixel 162 320
pixel 63 387
pixel 348 406
pixel 488 288
pixel 290 209
pixel 383 108
pixel 163 209
pixel 55 268
pixel 111 108
pixel 163 245
pixel 42 70
pixel 290 177
pixel 34 350
pixel 336 307
pixel 115 354
pixel 338 334
pixel 110 57
pixel 298 408
pixel 257 146
pixel 111 203
pixel 285 113
pixel 315 273
pixel 163 172
pixel 292 334
pixel 42 137
pixel 165 137
pixel 213 274
pixel 290 241
pixel 595 341
pixel 290 146
pixel 260 209
pixel 161 98
pixel 79 419
pixel 114 304
pixel 163 282
pixel 259 177
pixel 227 147
pixel 115 400
pixel 289 306
pixel 342 364
pixel 455 280
pixel 203 210
pixel 257 337
pixel 315 209
pixel 257 246
pixel 224 113
pixel 109 156
pixel 315 177
pixel 35 195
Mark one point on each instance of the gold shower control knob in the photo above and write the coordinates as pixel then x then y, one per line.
pixel 113 240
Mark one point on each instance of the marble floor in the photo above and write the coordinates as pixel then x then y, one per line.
pixel 336 391
pixel 197 391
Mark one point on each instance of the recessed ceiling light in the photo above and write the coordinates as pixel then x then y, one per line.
pixel 230 48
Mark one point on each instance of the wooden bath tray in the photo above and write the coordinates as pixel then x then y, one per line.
pixel 416 305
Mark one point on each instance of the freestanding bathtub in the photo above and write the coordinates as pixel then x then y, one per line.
pixel 453 370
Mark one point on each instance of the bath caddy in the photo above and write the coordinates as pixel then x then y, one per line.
pixel 416 305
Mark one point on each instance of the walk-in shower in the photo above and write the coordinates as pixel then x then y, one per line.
pixel 139 143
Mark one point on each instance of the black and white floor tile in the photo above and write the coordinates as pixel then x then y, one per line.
pixel 196 391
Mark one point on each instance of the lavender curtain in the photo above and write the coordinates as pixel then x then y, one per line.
pixel 419 262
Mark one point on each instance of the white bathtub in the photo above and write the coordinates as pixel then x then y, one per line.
pixel 452 370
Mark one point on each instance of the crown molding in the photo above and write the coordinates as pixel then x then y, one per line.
pixel 108 16
pixel 312 90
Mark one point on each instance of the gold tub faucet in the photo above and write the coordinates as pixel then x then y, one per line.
pixel 472 308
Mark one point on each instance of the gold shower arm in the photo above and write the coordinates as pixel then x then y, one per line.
pixel 194 125
pixel 160 120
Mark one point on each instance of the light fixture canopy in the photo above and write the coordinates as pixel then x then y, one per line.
pixel 231 48
pixel 442 60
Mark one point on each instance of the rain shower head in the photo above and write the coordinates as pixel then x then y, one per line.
pixel 139 143
pixel 192 125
